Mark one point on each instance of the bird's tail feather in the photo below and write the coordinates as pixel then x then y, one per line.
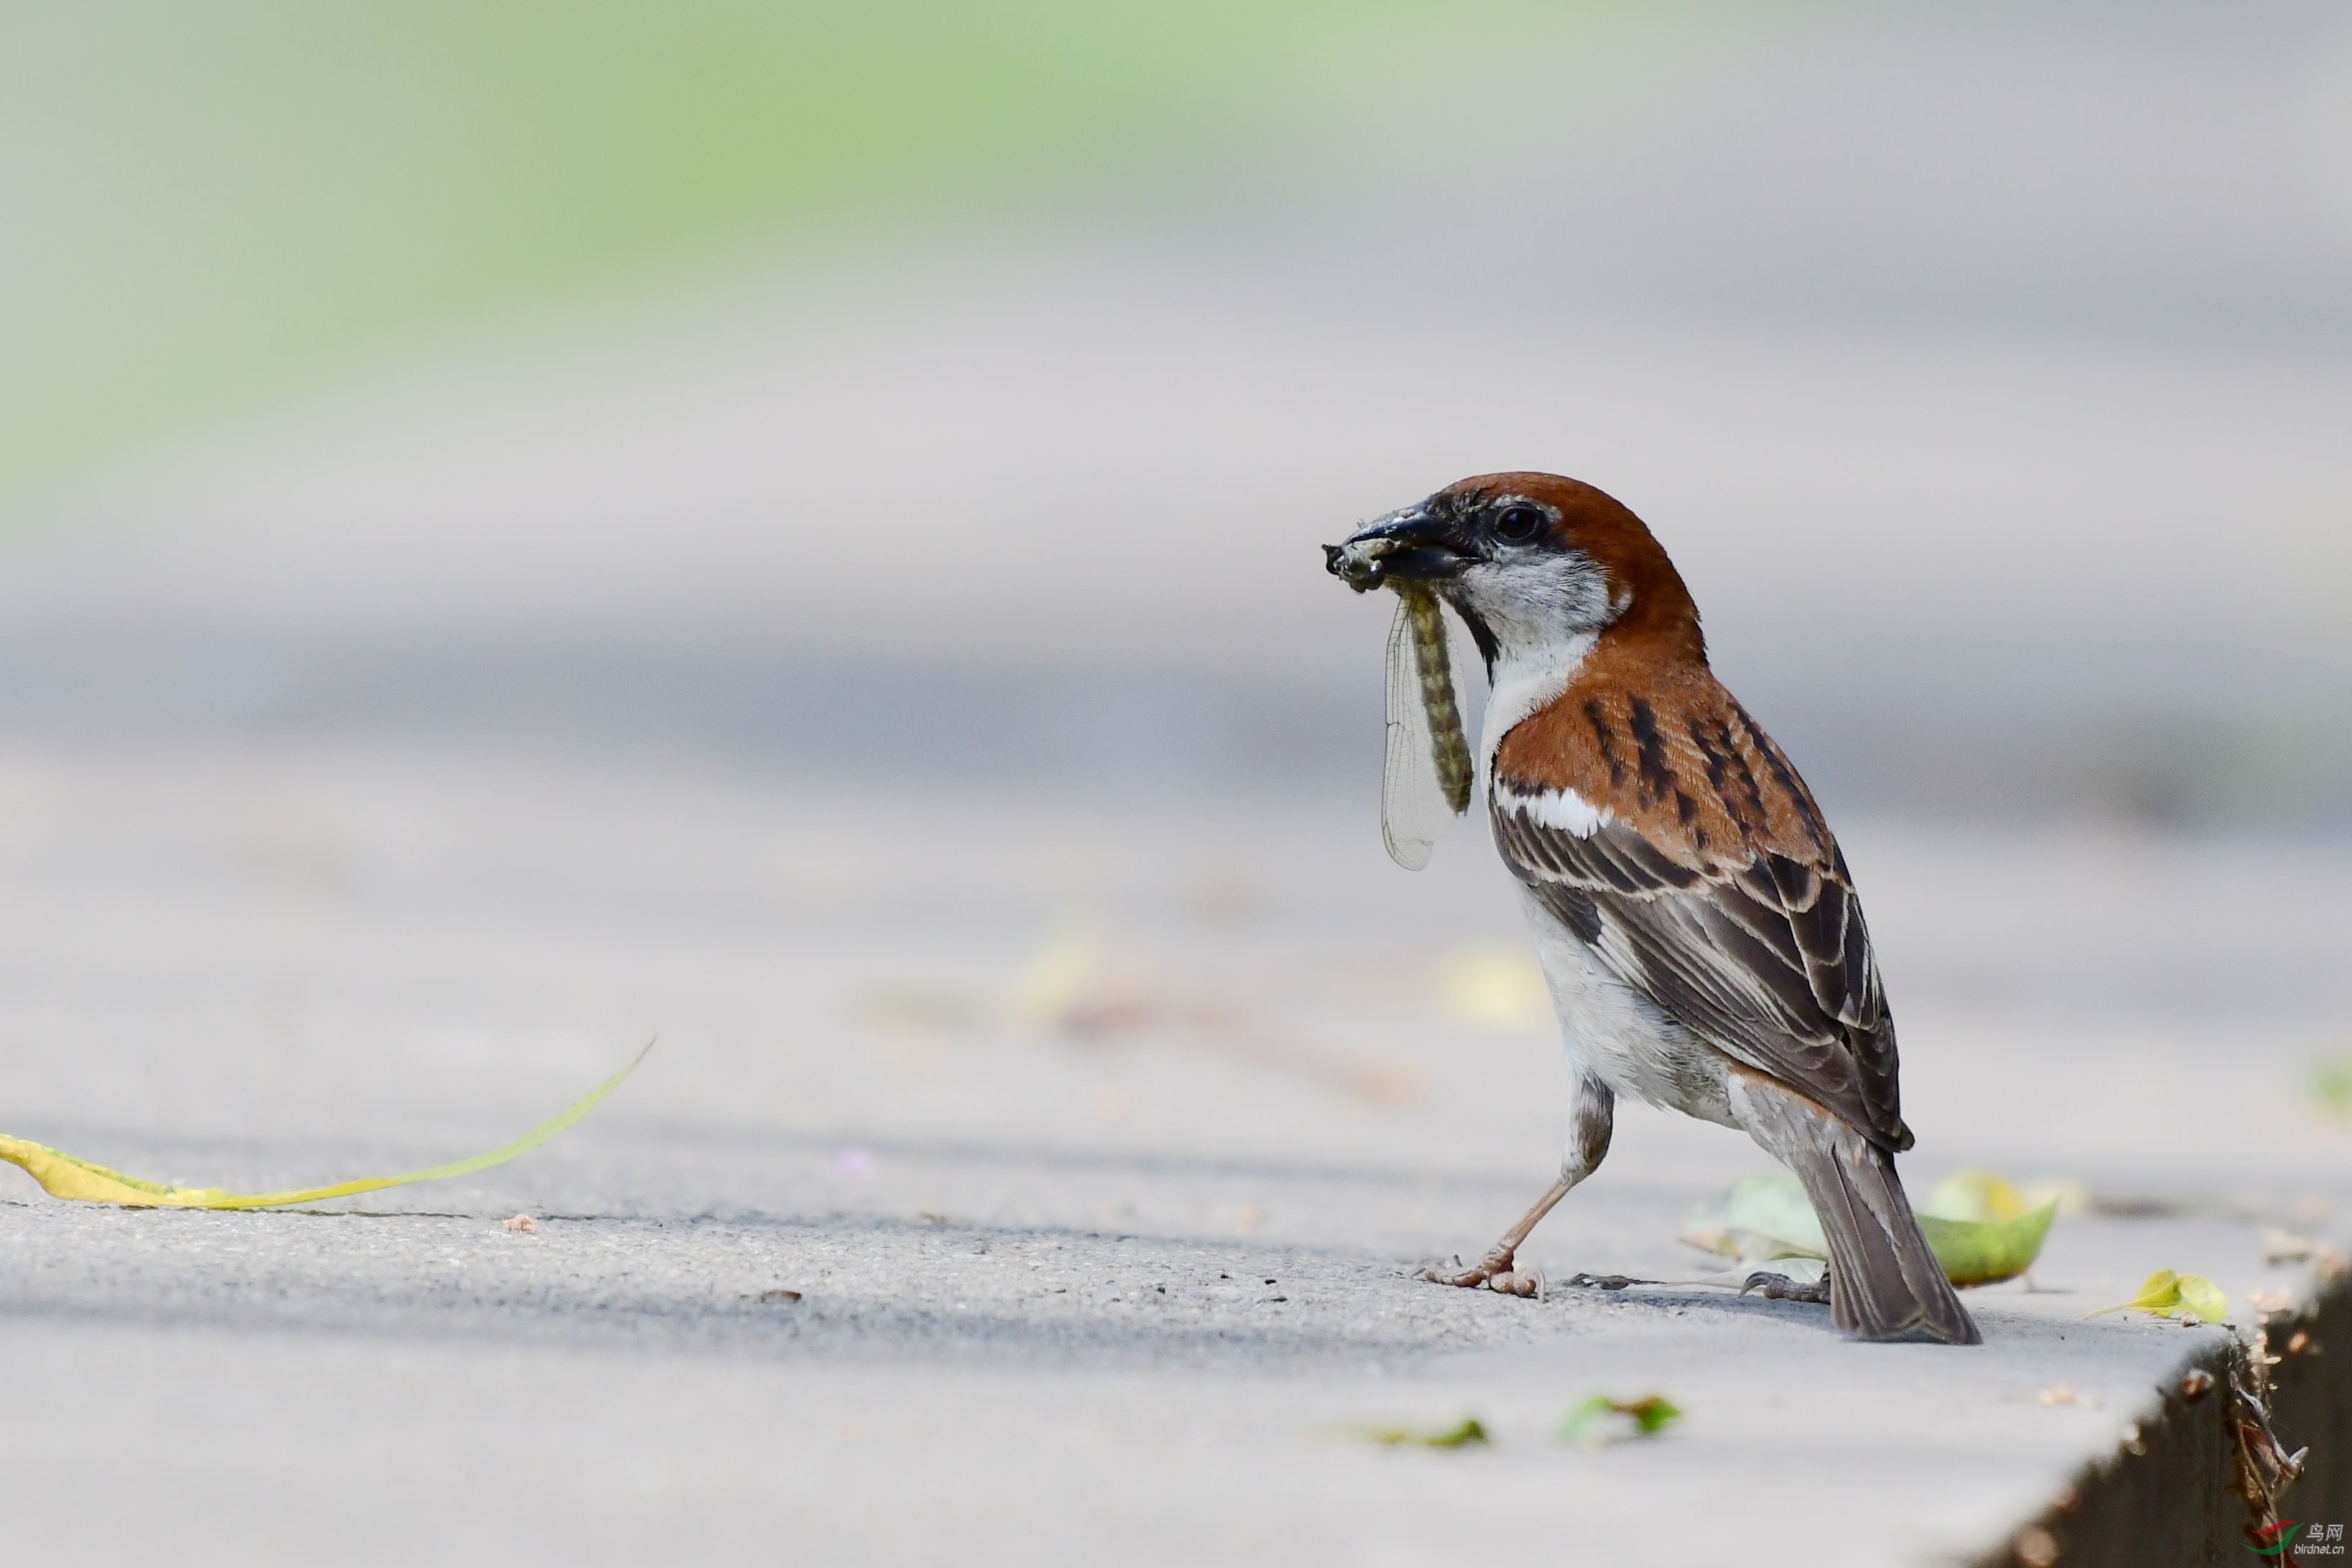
pixel 1885 1282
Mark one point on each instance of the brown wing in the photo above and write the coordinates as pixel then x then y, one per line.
pixel 1704 876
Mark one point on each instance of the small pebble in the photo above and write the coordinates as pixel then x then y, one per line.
pixel 523 1225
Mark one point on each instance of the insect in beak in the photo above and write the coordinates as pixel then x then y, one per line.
pixel 1410 542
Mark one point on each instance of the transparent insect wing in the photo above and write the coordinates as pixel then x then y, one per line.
pixel 1414 809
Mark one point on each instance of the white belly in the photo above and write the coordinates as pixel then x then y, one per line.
pixel 1619 1036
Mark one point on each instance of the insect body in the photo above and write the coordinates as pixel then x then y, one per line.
pixel 1449 749
pixel 1428 773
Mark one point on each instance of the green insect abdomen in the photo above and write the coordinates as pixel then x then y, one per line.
pixel 1449 748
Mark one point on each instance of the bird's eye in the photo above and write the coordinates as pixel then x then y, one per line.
pixel 1518 522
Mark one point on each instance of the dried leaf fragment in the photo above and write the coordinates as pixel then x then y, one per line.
pixel 62 1175
pixel 523 1225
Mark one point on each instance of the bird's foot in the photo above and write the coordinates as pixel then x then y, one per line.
pixel 1495 1271
pixel 1780 1288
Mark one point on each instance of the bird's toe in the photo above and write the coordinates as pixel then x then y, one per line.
pixel 1780 1288
pixel 1493 1271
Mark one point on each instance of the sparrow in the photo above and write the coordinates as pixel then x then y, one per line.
pixel 1697 927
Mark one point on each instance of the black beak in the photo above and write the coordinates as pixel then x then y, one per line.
pixel 1411 542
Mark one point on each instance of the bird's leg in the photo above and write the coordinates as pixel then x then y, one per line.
pixel 1592 1109
pixel 1495 1268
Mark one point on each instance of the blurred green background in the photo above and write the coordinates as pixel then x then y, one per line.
pixel 720 376
pixel 206 202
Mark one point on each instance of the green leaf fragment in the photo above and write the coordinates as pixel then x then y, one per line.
pixel 2331 1089
pixel 1986 1252
pixel 1463 1434
pixel 1601 1420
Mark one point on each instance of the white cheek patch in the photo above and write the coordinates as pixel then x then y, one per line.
pixel 1563 809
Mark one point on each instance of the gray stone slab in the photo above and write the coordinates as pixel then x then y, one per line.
pixel 1130 1290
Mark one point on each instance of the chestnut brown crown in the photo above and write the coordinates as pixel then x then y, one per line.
pixel 1531 560
pixel 1649 600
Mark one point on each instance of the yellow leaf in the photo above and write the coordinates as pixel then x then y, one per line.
pixel 2203 1297
pixel 2165 1291
pixel 62 1175
pixel 1054 978
pixel 1977 1195
pixel 2159 1292
pixel 1494 988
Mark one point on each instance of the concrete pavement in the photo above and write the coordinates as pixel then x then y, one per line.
pixel 1124 1288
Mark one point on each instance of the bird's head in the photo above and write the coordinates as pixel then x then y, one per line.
pixel 1531 562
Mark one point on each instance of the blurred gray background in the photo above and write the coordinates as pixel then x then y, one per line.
pixel 953 394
